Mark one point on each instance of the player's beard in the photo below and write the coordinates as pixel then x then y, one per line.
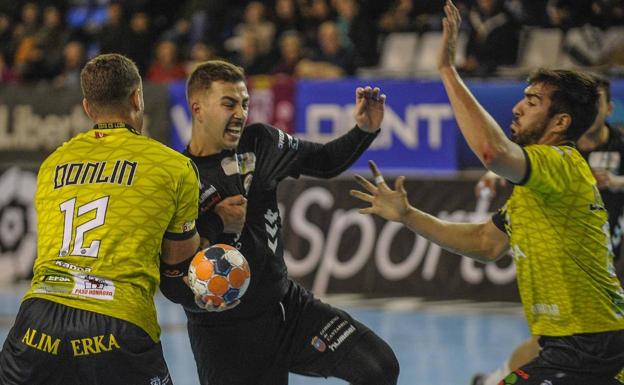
pixel 528 136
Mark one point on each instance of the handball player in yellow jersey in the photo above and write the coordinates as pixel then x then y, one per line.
pixel 111 204
pixel 554 223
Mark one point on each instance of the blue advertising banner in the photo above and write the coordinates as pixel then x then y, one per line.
pixel 418 131
pixel 180 116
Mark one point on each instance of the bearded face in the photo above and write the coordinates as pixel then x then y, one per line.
pixel 531 115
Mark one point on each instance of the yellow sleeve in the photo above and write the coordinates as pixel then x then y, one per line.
pixel 182 225
pixel 550 168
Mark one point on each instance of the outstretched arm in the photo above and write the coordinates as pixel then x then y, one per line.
pixel 481 241
pixel 332 158
pixel 484 136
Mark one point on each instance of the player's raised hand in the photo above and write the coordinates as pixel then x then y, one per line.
pixel 232 211
pixel 369 108
pixel 450 32
pixel 385 202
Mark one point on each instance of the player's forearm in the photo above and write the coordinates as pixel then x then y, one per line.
pixel 484 136
pixel 332 158
pixel 172 283
pixel 459 238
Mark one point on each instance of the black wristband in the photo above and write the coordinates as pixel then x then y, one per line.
pixel 174 271
pixel 210 226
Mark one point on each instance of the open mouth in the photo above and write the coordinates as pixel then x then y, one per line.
pixel 233 131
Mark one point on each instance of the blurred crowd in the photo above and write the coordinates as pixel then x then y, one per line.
pixel 51 40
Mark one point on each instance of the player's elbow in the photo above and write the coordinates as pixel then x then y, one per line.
pixel 491 156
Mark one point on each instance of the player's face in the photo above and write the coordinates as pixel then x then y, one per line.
pixel 224 109
pixel 530 115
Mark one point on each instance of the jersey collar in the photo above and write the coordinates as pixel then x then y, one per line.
pixel 105 126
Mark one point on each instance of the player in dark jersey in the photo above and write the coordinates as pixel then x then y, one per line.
pixel 278 327
pixel 603 147
pixel 110 203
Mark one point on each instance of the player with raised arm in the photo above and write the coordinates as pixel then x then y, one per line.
pixel 554 223
pixel 602 146
pixel 278 327
pixel 110 204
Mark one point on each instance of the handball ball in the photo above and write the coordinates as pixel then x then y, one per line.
pixel 219 273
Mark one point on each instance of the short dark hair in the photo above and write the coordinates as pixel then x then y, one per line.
pixel 210 71
pixel 108 80
pixel 575 93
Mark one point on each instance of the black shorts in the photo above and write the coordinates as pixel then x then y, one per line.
pixel 582 359
pixel 55 344
pixel 300 335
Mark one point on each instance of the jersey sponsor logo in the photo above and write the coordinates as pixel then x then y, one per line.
pixel 247 162
pixel 57 278
pixel 335 332
pixel 70 266
pixel 239 164
pixel 247 183
pixel 271 226
pixel 513 377
pixel 318 344
pixel 293 142
pixel 188 226
pixel 41 341
pixel 93 287
pixel 94 345
pixel 206 193
pixel 121 172
pixel 545 308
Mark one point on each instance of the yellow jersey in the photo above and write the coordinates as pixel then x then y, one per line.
pixel 104 201
pixel 559 238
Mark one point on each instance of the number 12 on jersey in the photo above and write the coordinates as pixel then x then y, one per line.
pixel 68 208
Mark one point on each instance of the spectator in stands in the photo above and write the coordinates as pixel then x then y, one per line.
pixel 166 67
pixel 331 60
pixel 6 73
pixel 250 56
pixel 24 35
pixel 139 41
pixel 399 18
pixel 7 44
pixel 200 52
pixel 313 13
pixel 254 22
pixel 287 17
pixel 30 18
pixel 74 58
pixel 179 33
pixel 359 32
pixel 493 39
pixel 52 37
pixel 112 35
pixel 291 53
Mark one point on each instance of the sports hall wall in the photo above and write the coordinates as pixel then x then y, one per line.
pixel 329 246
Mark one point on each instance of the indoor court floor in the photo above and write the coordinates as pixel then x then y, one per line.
pixel 437 343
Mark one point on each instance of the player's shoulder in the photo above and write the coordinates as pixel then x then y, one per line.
pixel 259 129
pixel 552 151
